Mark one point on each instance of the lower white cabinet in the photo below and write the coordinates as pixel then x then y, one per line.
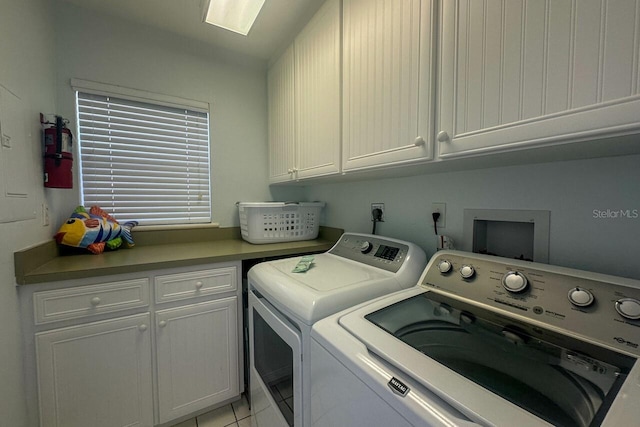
pixel 197 353
pixel 98 374
pixel 115 351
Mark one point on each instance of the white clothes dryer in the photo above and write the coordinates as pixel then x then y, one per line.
pixel 483 341
pixel 284 305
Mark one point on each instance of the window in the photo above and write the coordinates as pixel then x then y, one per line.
pixel 144 160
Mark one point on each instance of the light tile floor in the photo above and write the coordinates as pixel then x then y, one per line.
pixel 236 414
pixel 282 392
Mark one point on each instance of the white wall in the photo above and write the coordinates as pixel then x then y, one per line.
pixel 571 190
pixel 26 68
pixel 113 51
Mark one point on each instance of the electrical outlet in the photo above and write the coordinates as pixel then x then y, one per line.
pixel 45 215
pixel 442 209
pixel 378 206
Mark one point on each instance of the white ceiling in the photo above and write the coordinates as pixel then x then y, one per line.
pixel 276 24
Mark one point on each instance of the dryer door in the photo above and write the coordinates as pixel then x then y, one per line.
pixel 276 370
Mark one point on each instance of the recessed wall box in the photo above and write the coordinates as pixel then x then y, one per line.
pixel 520 234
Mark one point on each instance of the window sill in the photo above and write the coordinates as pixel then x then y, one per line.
pixel 175 227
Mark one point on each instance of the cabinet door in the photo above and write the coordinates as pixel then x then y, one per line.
pixel 98 374
pixel 197 352
pixel 388 105
pixel 317 93
pixel 280 87
pixel 518 74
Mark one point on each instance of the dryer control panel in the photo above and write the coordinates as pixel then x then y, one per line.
pixel 388 254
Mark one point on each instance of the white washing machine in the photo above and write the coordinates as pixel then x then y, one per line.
pixel 284 305
pixel 483 341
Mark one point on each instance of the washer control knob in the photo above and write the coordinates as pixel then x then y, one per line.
pixel 514 281
pixel 467 271
pixel 444 266
pixel 629 308
pixel 580 297
pixel 366 247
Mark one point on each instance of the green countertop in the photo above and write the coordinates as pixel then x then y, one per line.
pixel 47 263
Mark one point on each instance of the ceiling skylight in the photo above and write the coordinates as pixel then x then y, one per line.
pixel 233 15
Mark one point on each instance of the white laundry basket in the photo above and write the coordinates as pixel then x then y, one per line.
pixel 272 222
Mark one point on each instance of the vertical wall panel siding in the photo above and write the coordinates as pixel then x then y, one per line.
pixel 511 61
pixel 395 94
pixel 636 51
pixel 475 63
pixel 492 86
pixel 412 18
pixel 387 52
pixel 377 52
pixel 560 21
pixel 462 68
pixel 620 23
pixel 534 58
pixel 586 54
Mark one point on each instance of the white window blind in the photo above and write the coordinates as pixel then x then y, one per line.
pixel 142 161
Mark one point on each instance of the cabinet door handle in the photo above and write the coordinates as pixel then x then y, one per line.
pixel 443 136
pixel 142 327
pixel 95 301
pixel 199 284
pixel 419 141
pixel 162 323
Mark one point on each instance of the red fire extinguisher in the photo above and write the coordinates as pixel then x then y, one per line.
pixel 58 157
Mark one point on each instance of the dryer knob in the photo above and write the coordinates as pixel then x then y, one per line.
pixel 444 266
pixel 580 297
pixel 628 308
pixel 366 247
pixel 514 281
pixel 467 271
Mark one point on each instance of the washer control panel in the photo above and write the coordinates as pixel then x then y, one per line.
pixel 600 307
pixel 388 254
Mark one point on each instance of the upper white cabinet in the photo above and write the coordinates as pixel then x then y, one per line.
pixel 516 74
pixel 280 87
pixel 511 75
pixel 304 101
pixel 388 92
pixel 317 93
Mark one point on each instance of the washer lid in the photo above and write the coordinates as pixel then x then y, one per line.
pixel 490 366
pixel 332 284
